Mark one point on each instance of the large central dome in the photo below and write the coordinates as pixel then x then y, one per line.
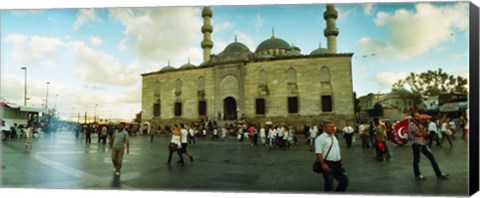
pixel 272 43
pixel 235 48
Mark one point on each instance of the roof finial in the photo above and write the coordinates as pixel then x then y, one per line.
pixel 235 38
pixel 168 62
pixel 319 44
pixel 188 60
pixel 273 32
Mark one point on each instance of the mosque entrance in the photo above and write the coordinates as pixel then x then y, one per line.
pixel 230 108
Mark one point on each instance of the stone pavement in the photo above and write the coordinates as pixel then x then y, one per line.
pixel 61 161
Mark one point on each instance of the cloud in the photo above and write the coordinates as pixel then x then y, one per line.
pixel 386 79
pixel 160 33
pixel 84 16
pixel 96 41
pixel 368 8
pixel 98 67
pixel 257 22
pixel 412 33
pixel 35 50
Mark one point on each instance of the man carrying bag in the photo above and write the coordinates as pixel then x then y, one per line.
pixel 331 164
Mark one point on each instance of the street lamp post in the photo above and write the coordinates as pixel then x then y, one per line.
pixel 95 113
pixel 46 98
pixel 25 87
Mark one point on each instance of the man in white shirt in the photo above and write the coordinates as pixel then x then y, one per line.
pixel 348 131
pixel 313 134
pixel 327 153
pixel 184 142
pixel 433 130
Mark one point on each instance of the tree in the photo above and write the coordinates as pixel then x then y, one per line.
pixel 431 83
pixel 138 117
pixel 377 110
pixel 356 103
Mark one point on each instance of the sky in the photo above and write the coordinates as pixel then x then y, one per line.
pixel 92 57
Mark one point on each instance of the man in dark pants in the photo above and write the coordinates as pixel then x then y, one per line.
pixel 419 133
pixel 327 152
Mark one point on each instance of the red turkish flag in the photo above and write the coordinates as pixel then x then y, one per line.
pixel 400 133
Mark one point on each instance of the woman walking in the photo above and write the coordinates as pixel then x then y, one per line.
pixel 446 132
pixel 175 141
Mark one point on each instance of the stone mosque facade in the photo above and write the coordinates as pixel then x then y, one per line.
pixel 273 83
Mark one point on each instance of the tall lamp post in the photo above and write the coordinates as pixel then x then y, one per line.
pixel 95 113
pixel 25 87
pixel 46 98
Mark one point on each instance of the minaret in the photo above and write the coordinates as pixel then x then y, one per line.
pixel 331 32
pixel 207 30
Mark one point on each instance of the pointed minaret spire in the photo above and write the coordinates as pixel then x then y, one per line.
pixel 331 32
pixel 273 32
pixel 235 38
pixel 207 29
pixel 168 62
pixel 188 60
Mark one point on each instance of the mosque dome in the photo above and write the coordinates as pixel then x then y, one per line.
pixel 168 68
pixel 273 43
pixel 320 50
pixel 187 65
pixel 292 53
pixel 235 48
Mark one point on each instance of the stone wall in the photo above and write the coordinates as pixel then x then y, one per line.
pixel 241 81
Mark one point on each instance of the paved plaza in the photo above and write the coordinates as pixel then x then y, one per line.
pixel 62 161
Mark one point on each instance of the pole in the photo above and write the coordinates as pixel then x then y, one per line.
pixel 85 118
pixel 95 113
pixel 46 98
pixel 25 87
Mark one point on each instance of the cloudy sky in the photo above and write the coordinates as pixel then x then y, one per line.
pixel 95 55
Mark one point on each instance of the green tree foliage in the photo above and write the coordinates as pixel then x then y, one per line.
pixel 431 83
pixel 138 117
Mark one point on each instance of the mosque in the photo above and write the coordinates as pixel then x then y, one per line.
pixel 273 83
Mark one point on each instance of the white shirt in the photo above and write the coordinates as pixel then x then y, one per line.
pixel 262 132
pixel 176 140
pixel 322 144
pixel 280 132
pixel 191 132
pixel 361 129
pixel 432 127
pixel 272 133
pixel 184 135
pixel 444 127
pixel 348 129
pixel 313 131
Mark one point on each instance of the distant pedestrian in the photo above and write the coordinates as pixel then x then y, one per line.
pixel 327 152
pixel 191 136
pixel 120 145
pixel 446 132
pixel 184 142
pixel 88 134
pixel 433 132
pixel 262 135
pixel 380 141
pixel 348 131
pixel 29 135
pixel 313 135
pixel 419 133
pixel 104 134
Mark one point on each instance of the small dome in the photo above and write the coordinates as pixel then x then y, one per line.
pixel 293 53
pixel 168 67
pixel 235 48
pixel 273 43
pixel 187 65
pixel 320 50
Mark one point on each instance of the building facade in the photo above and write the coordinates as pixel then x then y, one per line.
pixel 273 83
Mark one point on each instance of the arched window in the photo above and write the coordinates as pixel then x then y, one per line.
pixel 324 74
pixel 157 88
pixel 201 83
pixel 178 87
pixel 262 77
pixel 291 76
